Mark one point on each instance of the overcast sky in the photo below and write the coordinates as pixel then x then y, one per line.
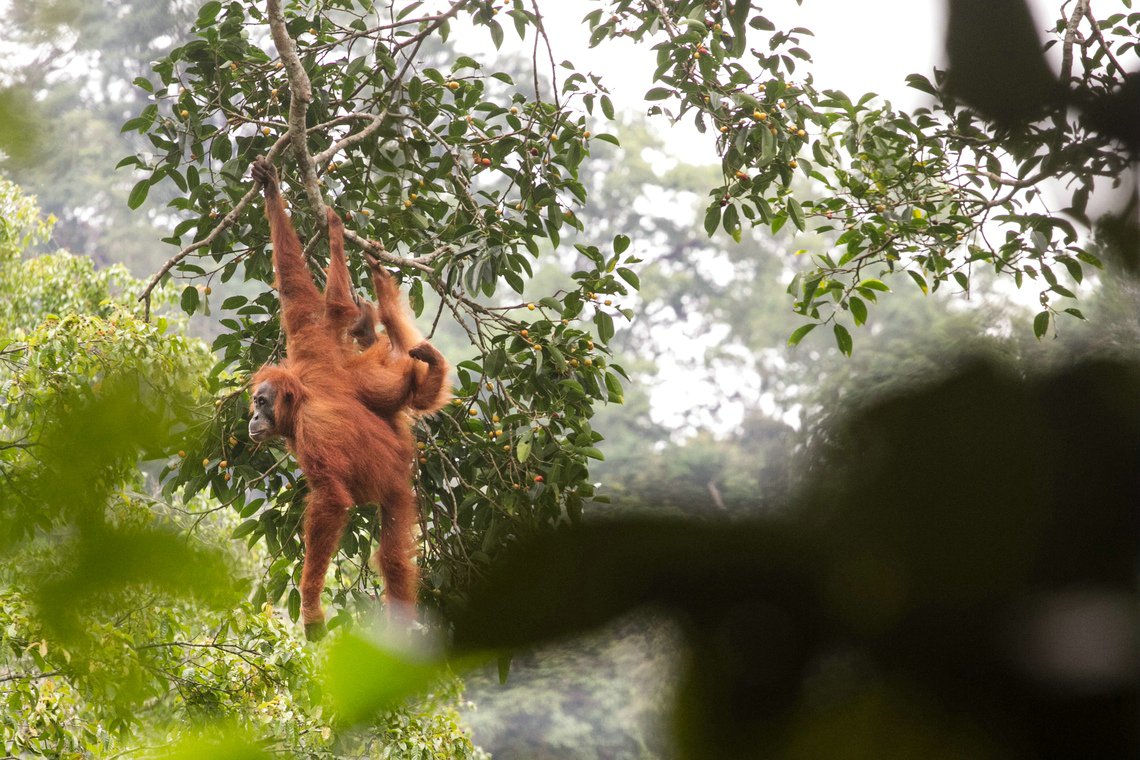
pixel 858 47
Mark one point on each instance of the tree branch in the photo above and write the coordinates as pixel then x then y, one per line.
pixel 301 94
pixel 1070 38
pixel 1103 42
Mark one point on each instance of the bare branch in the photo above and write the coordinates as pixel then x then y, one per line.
pixel 1070 38
pixel 377 121
pixel 301 91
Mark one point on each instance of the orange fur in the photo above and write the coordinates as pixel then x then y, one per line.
pixel 342 413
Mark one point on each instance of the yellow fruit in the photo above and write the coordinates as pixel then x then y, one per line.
pixel 453 86
pixel 205 463
pixel 184 113
pixel 793 163
pixel 530 306
pixel 473 412
pixel 223 464
pixel 266 130
pixel 182 454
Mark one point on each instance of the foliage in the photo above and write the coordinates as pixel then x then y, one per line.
pixel 122 625
pixel 454 174
pixel 923 194
pixel 68 74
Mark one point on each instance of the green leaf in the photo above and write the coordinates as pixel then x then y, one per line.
pixel 629 276
pixel 731 221
pixel 800 332
pixel 245 528
pixel 138 193
pixel 920 281
pixel 621 243
pixel 919 82
pixel 712 218
pixel 858 310
pixel 843 339
pixel 1041 324
pixel 360 678
pixel 522 448
pixel 607 107
pixel 796 213
pixel 659 93
pixel 605 325
pixel 874 285
pixel 616 392
pixel 190 299
pixel 496 34
pixel 1075 312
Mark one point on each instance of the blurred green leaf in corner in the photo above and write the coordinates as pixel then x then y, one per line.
pixel 95 436
pixel 363 676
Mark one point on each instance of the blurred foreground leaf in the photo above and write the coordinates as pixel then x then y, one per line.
pixel 227 746
pixel 361 677
pixel 93 439
pixel 968 547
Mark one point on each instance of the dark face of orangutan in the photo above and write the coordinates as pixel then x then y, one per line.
pixel 262 424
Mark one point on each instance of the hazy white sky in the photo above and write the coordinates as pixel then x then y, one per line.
pixel 858 47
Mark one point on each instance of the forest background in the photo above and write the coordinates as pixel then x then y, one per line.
pixel 655 270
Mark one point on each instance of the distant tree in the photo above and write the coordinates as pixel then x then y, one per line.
pixel 69 76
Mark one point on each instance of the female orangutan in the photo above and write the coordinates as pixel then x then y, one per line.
pixel 342 412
